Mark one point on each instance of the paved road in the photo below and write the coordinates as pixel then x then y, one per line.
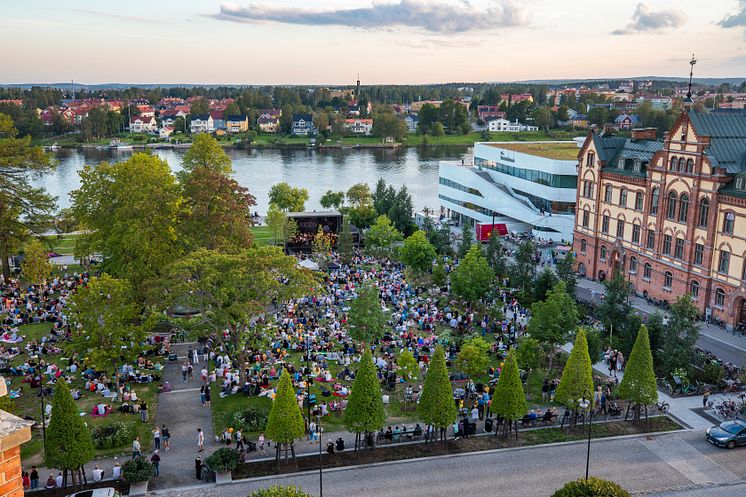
pixel 640 464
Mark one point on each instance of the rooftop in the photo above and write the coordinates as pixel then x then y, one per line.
pixel 564 150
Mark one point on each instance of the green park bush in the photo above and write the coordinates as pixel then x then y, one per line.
pixel 222 460
pixel 251 419
pixel 137 470
pixel 593 487
pixel 279 491
pixel 113 435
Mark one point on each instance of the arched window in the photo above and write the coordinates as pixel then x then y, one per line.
pixel 689 166
pixel 694 289
pixel 704 211
pixel 668 280
pixel 654 202
pixel 591 159
pixel 672 164
pixel 603 253
pixel 583 246
pixel 633 265
pixel 607 194
pixel 671 208
pixel 638 201
pixel 682 165
pixel 683 208
pixel 719 297
pixel 647 271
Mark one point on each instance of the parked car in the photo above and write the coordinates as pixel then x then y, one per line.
pixel 97 492
pixel 727 434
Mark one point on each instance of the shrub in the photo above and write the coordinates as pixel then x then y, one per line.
pixel 712 374
pixel 278 491
pixel 593 487
pixel 137 470
pixel 222 460
pixel 113 435
pixel 251 419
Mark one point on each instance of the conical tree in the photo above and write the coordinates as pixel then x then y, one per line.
pixel 285 422
pixel 436 407
pixel 577 377
pixel 69 443
pixel 638 385
pixel 508 399
pixel 364 412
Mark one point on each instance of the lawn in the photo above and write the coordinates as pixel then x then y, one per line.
pixel 470 138
pixel 62 244
pixel 262 235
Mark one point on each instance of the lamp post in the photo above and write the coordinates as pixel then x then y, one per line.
pixel 586 405
pixel 321 459
pixel 43 413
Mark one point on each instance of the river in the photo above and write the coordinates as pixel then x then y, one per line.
pixel 318 171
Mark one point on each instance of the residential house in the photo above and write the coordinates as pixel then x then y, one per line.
pixel 218 119
pixel 412 120
pixel 516 97
pixel 302 125
pixel 146 110
pixel 141 124
pixel 488 112
pixel 626 121
pixel 202 124
pixel 237 124
pixel 505 125
pixel 269 120
pixel 417 106
pixel 359 126
pixel 165 132
pixel 579 121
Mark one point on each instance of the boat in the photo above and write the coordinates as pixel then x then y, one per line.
pixel 119 145
pixel 53 148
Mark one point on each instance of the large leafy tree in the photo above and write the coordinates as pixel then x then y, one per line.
pixel 680 335
pixel 382 235
pixel 206 152
pixel 23 207
pixel 280 225
pixel 364 412
pixel 288 198
pixel 366 320
pixel 473 276
pixel 566 272
pixel 508 399
pixel 616 312
pixel 577 377
pixel 417 252
pixel 285 422
pixel 69 444
pixel 346 242
pixel 524 268
pixel 495 255
pixel 473 357
pixel 131 209
pixel 467 240
pixel 638 385
pixel 230 290
pixel 35 267
pixel 553 320
pixel 436 407
pixel 544 282
pixel 332 199
pixel 105 330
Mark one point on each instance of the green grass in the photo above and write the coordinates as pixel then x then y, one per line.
pixel 63 244
pixel 470 138
pixel 262 235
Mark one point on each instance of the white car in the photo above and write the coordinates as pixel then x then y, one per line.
pixel 97 492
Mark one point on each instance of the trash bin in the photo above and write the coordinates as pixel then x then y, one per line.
pixel 471 428
pixel 488 425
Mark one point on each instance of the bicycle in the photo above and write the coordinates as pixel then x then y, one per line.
pixel 661 406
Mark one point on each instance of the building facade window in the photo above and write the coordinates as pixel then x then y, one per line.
pixel 671 206
pixel 667 280
pixel 605 224
pixel 683 208
pixel 591 159
pixel 724 262
pixel 586 218
pixel 638 201
pixel 689 166
pixel 633 265
pixel 647 271
pixel 682 165
pixel 679 249
pixel 672 164
pixel 608 191
pixel 588 189
pixel 719 297
pixel 654 199
pixel 694 289
pixel 667 244
pixel 728 221
pixel 704 211
pixel 623 198
pixel 635 233
pixel 583 246
pixel 603 254
pixel 620 228
pixel 651 239
pixel 699 253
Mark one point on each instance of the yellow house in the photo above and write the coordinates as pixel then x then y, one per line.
pixel 237 124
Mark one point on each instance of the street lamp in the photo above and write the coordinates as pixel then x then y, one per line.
pixel 586 405
pixel 321 458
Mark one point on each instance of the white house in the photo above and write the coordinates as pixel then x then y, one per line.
pixel 359 126
pixel 165 132
pixel 505 125
pixel 412 121
pixel 202 124
pixel 302 125
pixel 140 124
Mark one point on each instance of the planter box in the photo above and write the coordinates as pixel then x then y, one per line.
pixel 138 488
pixel 223 478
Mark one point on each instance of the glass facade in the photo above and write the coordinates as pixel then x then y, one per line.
pixel 467 205
pixel 548 205
pixel 458 186
pixel 540 177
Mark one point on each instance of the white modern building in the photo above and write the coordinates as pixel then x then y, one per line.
pixel 505 125
pixel 528 186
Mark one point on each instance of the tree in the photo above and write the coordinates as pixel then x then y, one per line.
pixel 543 284
pixel 598 116
pixel 345 243
pixel 23 207
pixel 528 353
pixel 229 291
pixel 566 272
pixel 467 240
pixel 285 422
pixel 35 267
pixel 180 124
pixel 217 211
pixel 436 407
pixel 524 269
pixel 364 412
pixel 322 244
pixel 680 335
pixel 408 365
pixel 508 399
pixel 472 278
pixel 442 240
pixel 615 311
pixel 279 491
pixel 131 209
pixel 417 252
pixel 577 377
pixel 440 277
pixel 383 197
pixel 495 254
pixel 359 194
pixel 638 385
pixel 280 226
pixel 592 487
pixel 199 107
pixel 473 357
pixel 402 210
pixel 288 198
pixel 69 445
pixel 362 216
pixel 206 152
pixel 366 320
pixel 105 331
pixel 382 235
pixel 438 129
pixel 332 199
pixel 542 118
pixel 553 320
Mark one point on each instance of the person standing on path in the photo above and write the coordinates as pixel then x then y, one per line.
pixel 157 438
pixel 155 459
pixel 143 411
pixel 136 452
pixel 202 396
pixel 166 436
pixel 190 372
pixel 34 478
pixel 705 398
pixel 261 444
pixel 208 395
pixel 184 371
pixel 198 468
pixel 200 440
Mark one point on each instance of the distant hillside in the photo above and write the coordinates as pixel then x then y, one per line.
pixel 699 81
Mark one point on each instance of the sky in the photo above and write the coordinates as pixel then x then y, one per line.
pixel 328 42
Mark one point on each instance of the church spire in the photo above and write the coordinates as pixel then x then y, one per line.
pixel 691 75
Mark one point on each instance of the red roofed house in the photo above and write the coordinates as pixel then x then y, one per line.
pixel 359 126
pixel 141 124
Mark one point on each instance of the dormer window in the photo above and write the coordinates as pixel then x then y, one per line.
pixel 637 165
pixel 740 183
pixel 620 164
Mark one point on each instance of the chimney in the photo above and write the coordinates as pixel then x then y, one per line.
pixel 644 133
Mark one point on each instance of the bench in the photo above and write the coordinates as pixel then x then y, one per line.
pixel 406 434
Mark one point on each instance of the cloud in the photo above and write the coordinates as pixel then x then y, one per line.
pixel 115 16
pixel 735 20
pixel 645 20
pixel 437 17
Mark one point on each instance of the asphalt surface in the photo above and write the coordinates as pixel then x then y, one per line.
pixel 654 463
